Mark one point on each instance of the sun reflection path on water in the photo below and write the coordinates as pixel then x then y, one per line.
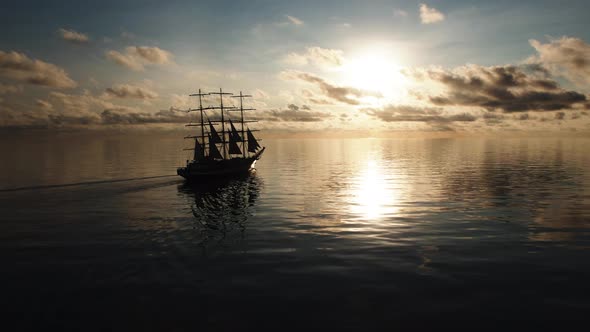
pixel 373 196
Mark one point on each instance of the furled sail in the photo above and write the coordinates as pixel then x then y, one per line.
pixel 214 136
pixel 233 146
pixel 252 142
pixel 213 151
pixel 234 133
pixel 199 152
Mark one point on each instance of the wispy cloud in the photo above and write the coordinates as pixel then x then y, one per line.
pixel 8 88
pixel 137 57
pixel 130 91
pixel 347 95
pixel 73 36
pixel 400 13
pixel 43 104
pixel 293 113
pixel 17 66
pixel 566 56
pixel 119 116
pixel 294 20
pixel 409 113
pixel 429 15
pixel 317 55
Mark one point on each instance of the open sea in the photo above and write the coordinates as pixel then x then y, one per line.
pixel 98 233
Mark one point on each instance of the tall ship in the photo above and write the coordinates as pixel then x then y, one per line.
pixel 220 148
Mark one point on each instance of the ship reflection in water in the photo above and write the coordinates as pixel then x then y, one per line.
pixel 223 206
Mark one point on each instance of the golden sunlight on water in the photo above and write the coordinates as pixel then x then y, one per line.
pixel 371 193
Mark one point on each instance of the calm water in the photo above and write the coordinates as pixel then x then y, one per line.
pixel 348 234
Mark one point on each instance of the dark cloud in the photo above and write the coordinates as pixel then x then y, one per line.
pixel 536 68
pixel 524 117
pixel 130 91
pixel 506 88
pixel 347 95
pixel 559 115
pixel 17 66
pixel 406 113
pixel 70 120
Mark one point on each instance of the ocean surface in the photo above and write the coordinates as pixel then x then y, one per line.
pixel 97 231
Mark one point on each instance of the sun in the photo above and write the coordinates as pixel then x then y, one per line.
pixel 377 71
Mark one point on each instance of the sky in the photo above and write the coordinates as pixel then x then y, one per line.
pixel 439 65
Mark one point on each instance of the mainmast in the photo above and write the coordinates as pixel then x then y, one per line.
pixel 221 93
pixel 242 109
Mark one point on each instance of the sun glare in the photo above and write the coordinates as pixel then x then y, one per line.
pixel 376 71
pixel 371 197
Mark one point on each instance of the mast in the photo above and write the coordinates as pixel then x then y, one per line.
pixel 202 124
pixel 221 93
pixel 242 96
pixel 201 109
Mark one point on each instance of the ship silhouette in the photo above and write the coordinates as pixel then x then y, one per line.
pixel 220 149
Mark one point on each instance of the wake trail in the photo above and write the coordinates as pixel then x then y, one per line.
pixel 83 183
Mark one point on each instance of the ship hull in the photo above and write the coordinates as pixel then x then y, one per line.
pixel 208 169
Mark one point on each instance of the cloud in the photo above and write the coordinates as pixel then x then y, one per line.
pixel 128 61
pixel 347 95
pixel 137 57
pixel 17 66
pixel 75 110
pixel 316 55
pixel 130 91
pixel 121 116
pixel 506 88
pixel 294 20
pixel 7 88
pixel 400 13
pixel 73 36
pixel 408 113
pixel 181 101
pixel 44 104
pixel 429 15
pixel 293 113
pixel 154 55
pixel 567 56
pixel 260 94
pixel 76 104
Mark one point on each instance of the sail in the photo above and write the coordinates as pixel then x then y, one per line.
pixel 234 132
pixel 233 146
pixel 214 137
pixel 213 151
pixel 252 142
pixel 199 152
